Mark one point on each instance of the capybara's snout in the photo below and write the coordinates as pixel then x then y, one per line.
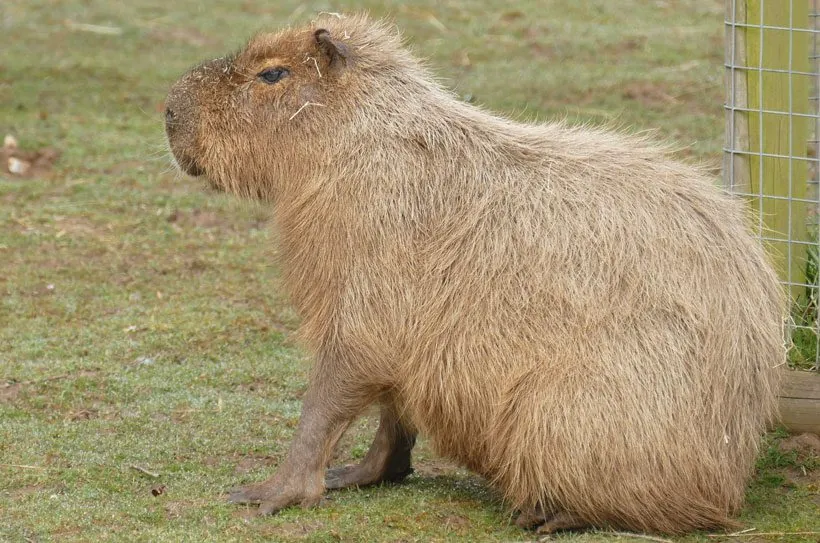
pixel 182 115
pixel 181 119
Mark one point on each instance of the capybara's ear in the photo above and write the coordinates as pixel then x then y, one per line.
pixel 336 51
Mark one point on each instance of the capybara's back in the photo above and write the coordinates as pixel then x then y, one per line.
pixel 567 311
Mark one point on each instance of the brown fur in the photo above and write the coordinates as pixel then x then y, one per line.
pixel 566 311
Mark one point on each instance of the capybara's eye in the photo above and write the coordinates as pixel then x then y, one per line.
pixel 272 75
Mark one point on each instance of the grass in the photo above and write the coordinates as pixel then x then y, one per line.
pixel 142 321
pixel 803 354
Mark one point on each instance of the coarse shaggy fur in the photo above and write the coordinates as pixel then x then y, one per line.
pixel 566 311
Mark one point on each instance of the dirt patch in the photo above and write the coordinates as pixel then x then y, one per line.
pixel 198 218
pixel 260 386
pixel 806 478
pixel 807 446
pixel 26 490
pixel 630 45
pixel 9 392
pixel 510 16
pixel 66 530
pixel 128 166
pixel 177 509
pixel 664 96
pixel 26 164
pixel 435 468
pixel 803 473
pixel 456 523
pixel 212 461
pixel 293 530
pixel 248 464
pixel 223 220
pixel 83 414
pixel 543 43
pixel 196 265
pixel 649 94
pixel 557 51
pixel 78 227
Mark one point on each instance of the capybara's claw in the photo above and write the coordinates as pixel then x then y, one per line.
pixel 561 522
pixel 247 494
pixel 360 475
pixel 275 494
pixel 341 477
pixel 548 522
pixel 271 506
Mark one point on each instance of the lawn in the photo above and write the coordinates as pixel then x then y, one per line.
pixel 147 356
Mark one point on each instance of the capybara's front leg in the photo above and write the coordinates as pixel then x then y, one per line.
pixel 326 414
pixel 387 460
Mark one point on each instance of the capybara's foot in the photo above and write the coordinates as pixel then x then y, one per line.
pixel 560 522
pixel 530 519
pixel 389 458
pixel 254 493
pixel 362 475
pixel 548 522
pixel 344 476
pixel 273 495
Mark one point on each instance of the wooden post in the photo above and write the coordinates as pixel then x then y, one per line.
pixel 773 182
pixel 800 401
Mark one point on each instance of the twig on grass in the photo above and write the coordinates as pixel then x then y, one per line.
pixel 762 534
pixel 144 471
pixel 638 536
pixel 33 381
pixel 23 466
pixel 94 29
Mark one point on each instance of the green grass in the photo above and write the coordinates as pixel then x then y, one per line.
pixel 803 354
pixel 142 320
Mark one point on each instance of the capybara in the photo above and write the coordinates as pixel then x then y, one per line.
pixel 567 311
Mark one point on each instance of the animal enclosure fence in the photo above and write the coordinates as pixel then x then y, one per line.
pixel 772 145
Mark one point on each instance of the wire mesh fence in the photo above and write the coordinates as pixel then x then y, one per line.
pixel 772 145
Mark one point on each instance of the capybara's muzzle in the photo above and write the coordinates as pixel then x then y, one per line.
pixel 181 124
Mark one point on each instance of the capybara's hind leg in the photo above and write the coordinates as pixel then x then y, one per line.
pixel 548 522
pixel 387 460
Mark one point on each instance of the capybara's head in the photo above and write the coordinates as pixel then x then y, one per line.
pixel 255 119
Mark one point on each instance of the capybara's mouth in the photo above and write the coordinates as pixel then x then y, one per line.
pixel 194 170
pixel 190 166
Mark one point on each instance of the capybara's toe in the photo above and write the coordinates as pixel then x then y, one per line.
pixel 561 522
pixel 341 477
pixel 248 494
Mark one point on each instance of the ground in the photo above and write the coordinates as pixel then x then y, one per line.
pixel 143 328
